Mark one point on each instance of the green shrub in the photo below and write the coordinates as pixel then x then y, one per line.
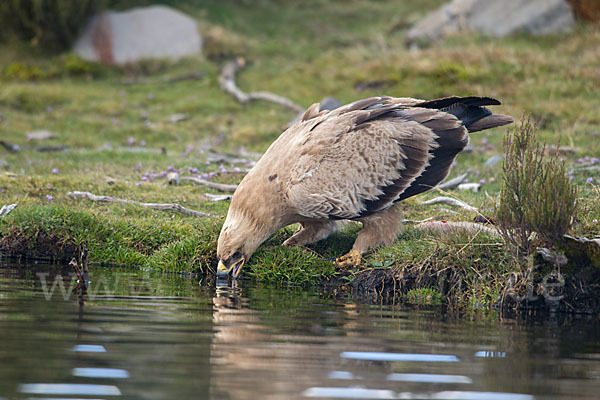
pixel 23 72
pixel 537 199
pixel 52 24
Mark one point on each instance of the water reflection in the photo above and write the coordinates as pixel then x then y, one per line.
pixel 69 389
pixel 142 335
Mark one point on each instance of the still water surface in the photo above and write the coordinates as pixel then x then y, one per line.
pixel 140 335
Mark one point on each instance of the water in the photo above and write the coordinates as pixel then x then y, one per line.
pixel 140 335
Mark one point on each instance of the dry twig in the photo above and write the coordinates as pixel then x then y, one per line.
pixel 155 206
pixel 452 183
pixel 228 85
pixel 6 209
pixel 451 202
pixel 218 197
pixel 222 187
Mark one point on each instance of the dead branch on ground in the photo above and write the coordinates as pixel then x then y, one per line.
pixel 228 85
pixel 451 202
pixel 155 206
pixel 222 187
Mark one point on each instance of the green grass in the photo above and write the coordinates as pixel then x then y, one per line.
pixel 305 51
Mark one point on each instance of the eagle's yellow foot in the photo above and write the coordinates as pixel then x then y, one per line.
pixel 351 259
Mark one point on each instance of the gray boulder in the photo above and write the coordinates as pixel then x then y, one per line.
pixel 495 18
pixel 328 103
pixel 140 33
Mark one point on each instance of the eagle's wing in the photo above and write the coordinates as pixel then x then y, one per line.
pixel 359 159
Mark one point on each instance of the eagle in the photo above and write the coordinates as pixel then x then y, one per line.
pixel 356 162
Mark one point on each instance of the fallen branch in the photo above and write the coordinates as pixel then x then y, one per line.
pixel 452 183
pixel 155 206
pixel 451 202
pixel 222 187
pixel 10 147
pixel 452 226
pixel 6 209
pixel 141 81
pixel 58 147
pixel 228 85
pixel 218 197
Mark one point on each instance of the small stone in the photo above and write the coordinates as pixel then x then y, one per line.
pixel 173 178
pixel 175 118
pixel 493 160
pixel 473 187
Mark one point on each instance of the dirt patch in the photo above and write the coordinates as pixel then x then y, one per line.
pixel 44 246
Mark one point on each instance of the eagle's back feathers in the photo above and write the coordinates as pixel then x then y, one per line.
pixel 359 159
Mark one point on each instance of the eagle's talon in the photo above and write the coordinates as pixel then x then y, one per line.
pixel 351 259
pixel 290 242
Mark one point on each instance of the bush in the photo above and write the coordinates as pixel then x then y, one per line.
pixel 537 199
pixel 52 24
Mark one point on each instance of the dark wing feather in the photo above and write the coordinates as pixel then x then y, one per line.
pixel 452 140
pixel 468 101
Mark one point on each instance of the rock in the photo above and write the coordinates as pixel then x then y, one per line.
pixel 140 33
pixel 551 256
pixel 473 187
pixel 493 160
pixel 586 9
pixel 586 251
pixel 173 178
pixel 175 118
pixel 328 103
pixel 494 18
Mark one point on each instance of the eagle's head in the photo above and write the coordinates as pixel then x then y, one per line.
pixel 239 238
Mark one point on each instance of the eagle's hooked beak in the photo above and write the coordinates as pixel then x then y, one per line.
pixel 235 267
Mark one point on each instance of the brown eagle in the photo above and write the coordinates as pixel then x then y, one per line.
pixel 356 162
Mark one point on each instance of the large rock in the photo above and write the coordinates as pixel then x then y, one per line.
pixel 494 18
pixel 139 33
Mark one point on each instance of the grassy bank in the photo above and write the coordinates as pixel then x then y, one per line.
pixel 118 125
